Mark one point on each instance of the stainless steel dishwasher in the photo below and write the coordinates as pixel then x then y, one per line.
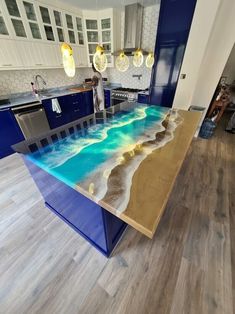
pixel 31 119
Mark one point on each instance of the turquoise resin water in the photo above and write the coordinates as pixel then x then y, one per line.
pixel 72 159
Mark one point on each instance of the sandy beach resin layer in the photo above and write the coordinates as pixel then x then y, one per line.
pixel 102 163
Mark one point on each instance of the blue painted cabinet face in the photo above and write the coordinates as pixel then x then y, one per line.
pixel 107 98
pixel 89 106
pixel 10 132
pixel 175 19
pixel 143 99
pixel 56 119
pixel 73 107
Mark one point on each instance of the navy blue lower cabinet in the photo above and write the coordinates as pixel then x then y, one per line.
pixel 107 98
pixel 88 99
pixel 10 132
pixel 99 227
pixel 174 24
pixel 56 119
pixel 143 99
pixel 75 106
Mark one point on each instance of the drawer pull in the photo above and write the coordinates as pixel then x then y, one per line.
pixel 76 110
pixel 38 64
pixel 59 116
pixel 7 65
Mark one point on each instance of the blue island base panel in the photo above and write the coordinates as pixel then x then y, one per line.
pixel 99 227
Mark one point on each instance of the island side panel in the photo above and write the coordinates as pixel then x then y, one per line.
pixel 100 228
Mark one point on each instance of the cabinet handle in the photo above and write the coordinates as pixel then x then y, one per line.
pixel 75 102
pixel 76 110
pixel 7 65
pixel 58 116
pixel 38 64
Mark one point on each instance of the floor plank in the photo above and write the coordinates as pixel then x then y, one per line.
pixel 188 267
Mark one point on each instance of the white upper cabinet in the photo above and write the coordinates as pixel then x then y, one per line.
pixel 100 29
pixel 31 33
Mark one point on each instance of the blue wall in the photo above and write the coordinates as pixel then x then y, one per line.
pixel 175 19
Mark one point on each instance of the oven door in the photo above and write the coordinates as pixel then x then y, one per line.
pixel 115 101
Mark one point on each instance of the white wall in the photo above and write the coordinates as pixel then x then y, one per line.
pixel 207 52
pixel 229 70
pixel 12 82
pixel 204 17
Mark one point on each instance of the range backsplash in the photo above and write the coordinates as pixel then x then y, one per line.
pixel 19 80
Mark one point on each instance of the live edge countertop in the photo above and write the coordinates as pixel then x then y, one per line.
pixel 139 186
pixel 153 180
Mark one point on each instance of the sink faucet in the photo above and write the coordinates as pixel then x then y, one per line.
pixel 36 80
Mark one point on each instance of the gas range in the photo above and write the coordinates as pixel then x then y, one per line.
pixel 125 94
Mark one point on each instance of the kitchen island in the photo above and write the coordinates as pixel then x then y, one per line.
pixel 99 177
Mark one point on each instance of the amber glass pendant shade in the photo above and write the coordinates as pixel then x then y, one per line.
pixel 122 62
pixel 68 60
pixel 100 59
pixel 138 58
pixel 149 62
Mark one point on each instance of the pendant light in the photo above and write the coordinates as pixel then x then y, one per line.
pixel 149 62
pixel 122 62
pixel 100 59
pixel 138 58
pixel 68 60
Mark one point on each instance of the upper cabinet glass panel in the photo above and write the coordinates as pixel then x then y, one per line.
pixel 92 37
pixel 3 28
pixel 12 8
pixel 106 36
pixel 69 21
pixel 71 37
pixel 60 34
pixel 79 24
pixel 80 38
pixel 49 33
pixel 58 20
pixel 91 24
pixel 35 30
pixel 45 15
pixel 29 9
pixel 19 28
pixel 106 23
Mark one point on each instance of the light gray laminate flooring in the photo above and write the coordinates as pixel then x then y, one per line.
pixel 188 267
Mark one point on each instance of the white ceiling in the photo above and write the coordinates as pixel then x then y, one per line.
pixel 103 4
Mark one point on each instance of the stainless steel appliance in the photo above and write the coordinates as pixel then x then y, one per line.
pixel 31 119
pixel 124 94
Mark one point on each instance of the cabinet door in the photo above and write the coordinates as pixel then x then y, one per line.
pixel 107 98
pixel 4 32
pixel 10 132
pixel 76 106
pixel 89 106
pixel 9 56
pixel 32 19
pixel 56 119
pixel 80 56
pixel 59 25
pixel 15 15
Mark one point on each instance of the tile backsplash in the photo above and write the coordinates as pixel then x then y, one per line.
pixel 19 80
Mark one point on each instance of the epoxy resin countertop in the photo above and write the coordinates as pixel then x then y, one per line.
pixel 129 164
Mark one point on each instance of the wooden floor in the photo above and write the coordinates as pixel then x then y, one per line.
pixel 188 267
